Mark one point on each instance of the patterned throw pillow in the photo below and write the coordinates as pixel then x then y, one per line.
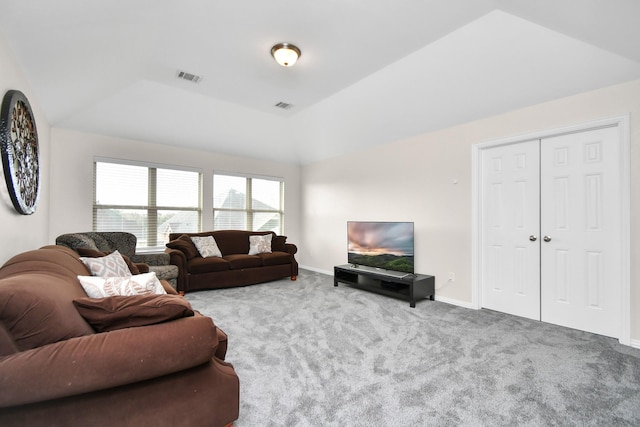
pixel 92 253
pixel 260 244
pixel 140 284
pixel 207 246
pixel 112 265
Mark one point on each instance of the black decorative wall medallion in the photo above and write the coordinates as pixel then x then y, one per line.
pixel 20 153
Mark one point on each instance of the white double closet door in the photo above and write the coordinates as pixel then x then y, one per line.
pixel 551 230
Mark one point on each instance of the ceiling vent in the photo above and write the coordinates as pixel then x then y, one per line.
pixel 284 105
pixel 188 76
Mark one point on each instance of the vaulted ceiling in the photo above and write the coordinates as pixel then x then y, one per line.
pixel 371 71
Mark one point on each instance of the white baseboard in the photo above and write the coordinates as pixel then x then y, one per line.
pixel 635 343
pixel 457 302
pixel 317 270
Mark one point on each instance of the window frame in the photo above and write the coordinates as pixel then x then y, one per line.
pixel 248 209
pixel 152 208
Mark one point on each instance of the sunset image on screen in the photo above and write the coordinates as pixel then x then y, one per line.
pixel 387 245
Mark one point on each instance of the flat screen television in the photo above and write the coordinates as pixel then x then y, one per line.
pixel 383 245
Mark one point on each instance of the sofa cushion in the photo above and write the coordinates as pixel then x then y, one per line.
pixel 208 265
pixel 112 265
pixel 277 243
pixel 185 245
pixel 165 272
pixel 207 246
pixel 140 284
pixel 260 244
pixel 118 312
pixel 36 309
pixel 240 261
pixel 232 242
pixel 275 258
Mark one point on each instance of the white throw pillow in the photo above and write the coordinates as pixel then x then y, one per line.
pixel 260 244
pixel 207 246
pixel 140 284
pixel 112 265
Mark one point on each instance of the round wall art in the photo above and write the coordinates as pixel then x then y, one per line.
pixel 20 153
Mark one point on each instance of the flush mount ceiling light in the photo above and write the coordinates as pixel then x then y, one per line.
pixel 285 54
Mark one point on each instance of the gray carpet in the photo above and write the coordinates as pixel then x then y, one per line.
pixel 310 354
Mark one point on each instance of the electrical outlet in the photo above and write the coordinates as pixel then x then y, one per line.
pixel 452 277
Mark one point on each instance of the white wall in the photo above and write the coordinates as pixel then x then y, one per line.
pixel 73 153
pixel 413 180
pixel 23 232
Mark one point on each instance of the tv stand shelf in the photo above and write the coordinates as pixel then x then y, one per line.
pixel 411 287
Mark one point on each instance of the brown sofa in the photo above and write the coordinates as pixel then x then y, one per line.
pixel 235 267
pixel 55 370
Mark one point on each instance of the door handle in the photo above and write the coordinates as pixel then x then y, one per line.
pixel 533 238
pixel 547 238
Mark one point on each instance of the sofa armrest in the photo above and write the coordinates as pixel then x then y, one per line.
pixel 159 258
pixel 291 248
pixel 102 361
pixel 179 259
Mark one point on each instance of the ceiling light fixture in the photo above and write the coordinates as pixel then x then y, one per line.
pixel 285 54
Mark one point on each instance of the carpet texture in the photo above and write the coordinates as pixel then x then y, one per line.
pixel 310 354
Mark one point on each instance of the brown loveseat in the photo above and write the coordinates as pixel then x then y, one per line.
pixel 55 370
pixel 235 267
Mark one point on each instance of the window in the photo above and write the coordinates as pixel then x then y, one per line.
pixel 146 200
pixel 248 203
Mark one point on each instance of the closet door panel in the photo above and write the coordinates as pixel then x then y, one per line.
pixel 510 223
pixel 580 216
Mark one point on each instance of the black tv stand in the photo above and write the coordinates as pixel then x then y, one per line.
pixel 410 287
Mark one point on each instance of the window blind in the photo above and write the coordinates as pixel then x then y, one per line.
pixel 248 203
pixel 146 200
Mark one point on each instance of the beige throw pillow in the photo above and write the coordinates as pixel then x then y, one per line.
pixel 140 284
pixel 207 246
pixel 260 244
pixel 112 265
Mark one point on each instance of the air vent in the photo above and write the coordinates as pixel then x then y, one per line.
pixel 188 76
pixel 283 105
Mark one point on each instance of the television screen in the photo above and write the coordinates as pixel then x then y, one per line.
pixel 385 245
